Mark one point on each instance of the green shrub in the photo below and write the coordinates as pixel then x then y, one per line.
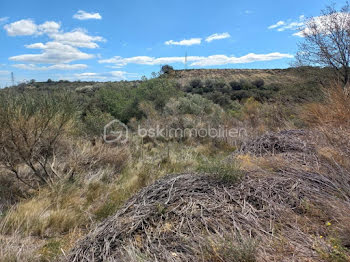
pixel 190 104
pixel 235 85
pixel 94 121
pixel 196 83
pixel 123 103
pixel 166 69
pixel 259 83
pixel 224 171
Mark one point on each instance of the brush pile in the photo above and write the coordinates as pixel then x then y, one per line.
pixel 198 217
pixel 271 143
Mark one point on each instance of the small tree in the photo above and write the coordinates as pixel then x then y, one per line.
pixel 166 69
pixel 327 42
pixel 31 127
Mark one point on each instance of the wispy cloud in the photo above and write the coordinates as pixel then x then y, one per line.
pixel 186 42
pixel 113 75
pixel 82 15
pixel 52 53
pixel 212 60
pixel 281 26
pixel 3 20
pixel 4 72
pixel 278 24
pixel 52 67
pixel 217 36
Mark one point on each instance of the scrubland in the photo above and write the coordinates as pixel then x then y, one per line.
pixel 278 192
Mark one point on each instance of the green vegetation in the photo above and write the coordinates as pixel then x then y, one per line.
pixel 59 179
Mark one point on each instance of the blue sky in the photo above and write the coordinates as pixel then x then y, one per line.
pixel 116 40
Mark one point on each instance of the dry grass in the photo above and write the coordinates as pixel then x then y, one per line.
pixel 16 248
pixel 269 76
pixel 99 180
pixel 289 205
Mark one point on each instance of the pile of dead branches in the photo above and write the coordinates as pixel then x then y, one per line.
pixel 176 218
pixel 279 142
pixel 198 217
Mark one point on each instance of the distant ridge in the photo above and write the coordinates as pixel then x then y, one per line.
pixel 277 76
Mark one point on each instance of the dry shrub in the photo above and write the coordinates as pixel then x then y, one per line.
pixel 332 120
pixel 11 191
pixel 30 129
pixel 269 116
pixel 86 158
pixel 18 248
pixel 335 111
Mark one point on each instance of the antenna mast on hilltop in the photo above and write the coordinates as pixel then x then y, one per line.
pixel 185 60
pixel 12 79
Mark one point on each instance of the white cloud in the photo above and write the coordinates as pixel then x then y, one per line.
pixel 249 58
pixel 82 15
pixel 4 72
pixel 78 38
pixel 186 42
pixel 143 60
pixel 52 53
pixel 3 19
pixel 198 41
pixel 21 27
pixel 122 75
pixel 89 76
pixel 278 24
pixel 28 27
pixel 196 60
pixel 217 36
pixel 281 26
pixel 61 50
pixel 112 75
pixel 52 67
pixel 49 27
pixel 321 23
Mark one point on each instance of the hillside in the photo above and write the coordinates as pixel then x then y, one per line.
pixel 270 76
pixel 273 188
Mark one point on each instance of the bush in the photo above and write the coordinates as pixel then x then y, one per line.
pixel 190 104
pixel 94 121
pixel 31 128
pixel 157 91
pixel 219 98
pixel 259 83
pixel 241 94
pixel 123 103
pixel 196 83
pixel 166 69
pixel 219 85
pixel 236 85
